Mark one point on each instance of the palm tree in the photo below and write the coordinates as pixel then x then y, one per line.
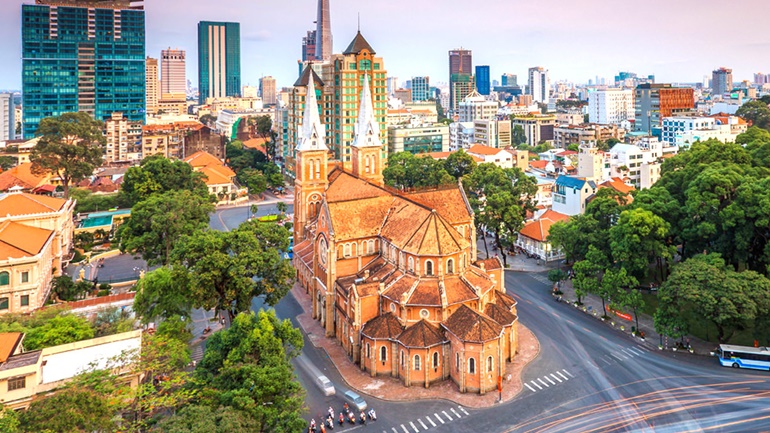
pixel 282 207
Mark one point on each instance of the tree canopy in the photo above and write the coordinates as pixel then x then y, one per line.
pixel 158 174
pixel 406 170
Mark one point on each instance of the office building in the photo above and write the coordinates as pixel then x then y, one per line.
pixel 151 85
pixel 462 86
pixel 323 32
pixel 537 127
pixel 418 139
pixel 267 90
pixel 308 46
pixel 653 102
pixel 564 135
pixel 392 85
pixel 251 92
pixel 219 60
pixel 492 133
pixel 420 89
pixel 82 55
pixel 173 76
pixel 483 80
pixel 7 117
pixel 460 71
pixel 721 81
pixel 404 95
pixel 683 131
pixel 123 139
pixel 476 107
pixel 539 84
pixel 509 80
pixel 611 106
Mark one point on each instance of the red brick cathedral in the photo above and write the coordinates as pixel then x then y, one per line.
pixel 393 275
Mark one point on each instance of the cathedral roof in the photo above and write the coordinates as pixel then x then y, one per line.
pixel 360 218
pixel 421 334
pixel 357 45
pixel 346 187
pixel 313 131
pixel 499 314
pixel 505 300
pixel 367 127
pixel 383 327
pixel 470 326
pixel 304 79
pixel 419 231
pixel 449 203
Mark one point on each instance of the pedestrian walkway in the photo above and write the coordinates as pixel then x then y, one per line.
pixel 518 262
pixel 389 388
pixel 431 420
pixel 549 380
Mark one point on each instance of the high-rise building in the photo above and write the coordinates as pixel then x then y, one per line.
pixel 653 102
pixel 123 138
pixel 460 70
pixel 760 78
pixel 82 55
pixel 509 80
pixel 249 92
pixel 721 81
pixel 323 32
pixel 173 78
pixel 308 46
pixel 482 79
pixel 392 85
pixel 420 89
pixel 461 86
pixel 539 84
pixel 151 85
pixel 7 117
pixel 267 90
pixel 219 59
pixel 611 106
pixel 475 107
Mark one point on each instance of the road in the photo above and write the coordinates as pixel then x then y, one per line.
pixel 587 378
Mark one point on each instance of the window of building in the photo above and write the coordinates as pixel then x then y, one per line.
pixel 368 350
pixel 457 361
pixel 435 359
pixel 403 359
pixel 429 267
pixel 24 300
pixel 417 365
pixel 450 266
pixel 472 365
pixel 3 304
pixel 489 364
pixel 17 383
pixel 410 264
pixel 383 353
pixel 347 250
pixel 25 277
pixel 5 279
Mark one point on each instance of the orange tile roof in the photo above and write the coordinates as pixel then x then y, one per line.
pixel 27 204
pixel 439 155
pixel 458 290
pixel 421 334
pixel 471 326
pixel 215 176
pixel 615 183
pixel 499 314
pixel 399 287
pixel 505 300
pixel 383 327
pixel 539 164
pixel 434 237
pixel 9 342
pixel 490 263
pixel 449 203
pixel 358 219
pixel 538 230
pixel 257 143
pixel 186 124
pixel 18 241
pixel 202 159
pixel 480 149
pixel 346 187
pixel 22 176
pixel 425 293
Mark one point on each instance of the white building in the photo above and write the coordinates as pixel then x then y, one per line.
pixel 476 107
pixel 500 157
pixel 492 133
pixel 461 135
pixel 539 84
pixel 639 166
pixel 7 117
pixel 593 164
pixel 683 131
pixel 610 106
pixel 570 195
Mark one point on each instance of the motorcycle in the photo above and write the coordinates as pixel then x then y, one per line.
pixel 352 418
pixel 342 419
pixel 372 415
pixel 363 418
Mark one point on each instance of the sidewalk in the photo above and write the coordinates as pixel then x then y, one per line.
pixel 519 262
pixel 592 305
pixel 390 388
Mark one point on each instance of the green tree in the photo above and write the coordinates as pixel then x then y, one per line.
pixel 75 409
pixel 205 419
pixel 208 119
pixel 7 162
pixel 633 300
pixel 755 112
pixel 282 207
pixel 639 239
pixel 112 320
pixel 264 128
pixel 757 143
pixel 228 269
pixel 588 276
pixel 9 420
pixel 573 237
pixel 406 170
pixel 518 137
pixel 613 284
pixel 90 202
pixel 459 164
pixel 157 224
pixel 254 180
pixel 247 367
pixel 62 329
pixel 70 146
pixel 161 294
pixel 158 174
pixel 556 276
pixel 64 288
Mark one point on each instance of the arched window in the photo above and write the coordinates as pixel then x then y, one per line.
pixel 450 266
pixel 435 359
pixel 5 279
pixel 368 351
pixel 462 264
pixel 410 264
pixel 347 250
pixel 489 364
pixel 428 267
pixel 472 365
pixel 366 170
pixel 318 169
pixel 417 362
pixel 371 247
pixel 383 353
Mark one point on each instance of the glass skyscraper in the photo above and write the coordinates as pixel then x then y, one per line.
pixel 420 88
pixel 219 60
pixel 482 80
pixel 82 55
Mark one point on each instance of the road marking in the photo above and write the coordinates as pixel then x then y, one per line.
pixel 541 381
pixel 394 430
pixel 618 356
pixel 563 376
pixel 549 379
pixel 405 430
pixel 414 427
pixel 430 420
pixel 642 348
pixel 538 386
pixel 608 363
pixel 570 374
pixel 439 418
pixel 629 353
pixel 528 301
pixel 556 377
pixel 637 351
pixel 530 388
pixel 455 412
pixel 463 409
pixel 447 415
pixel 571 322
pixel 422 424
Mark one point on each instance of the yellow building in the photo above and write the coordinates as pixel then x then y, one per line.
pixel 219 178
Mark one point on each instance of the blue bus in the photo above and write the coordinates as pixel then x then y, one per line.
pixel 744 357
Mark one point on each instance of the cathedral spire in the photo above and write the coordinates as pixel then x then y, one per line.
pixel 313 131
pixel 367 128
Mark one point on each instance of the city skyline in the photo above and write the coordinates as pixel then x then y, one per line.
pixel 271 42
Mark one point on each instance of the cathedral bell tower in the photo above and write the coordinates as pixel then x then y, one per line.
pixel 367 147
pixel 311 164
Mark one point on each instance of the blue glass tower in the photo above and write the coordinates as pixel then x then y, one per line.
pixel 420 88
pixel 82 55
pixel 482 79
pixel 219 60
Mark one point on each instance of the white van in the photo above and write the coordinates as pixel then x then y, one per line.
pixel 325 384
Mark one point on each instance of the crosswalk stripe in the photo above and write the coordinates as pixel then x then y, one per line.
pixel 541 381
pixel 455 412
pixel 447 415
pixel 422 424
pixel 430 420
pixel 549 379
pixel 530 388
pixel 630 353
pixel 394 430
pixel 556 377
pixel 439 418
pixel 414 427
pixel 570 374
pixel 616 356
pixel 463 409
pixel 635 350
pixel 607 362
pixel 405 430
pixel 538 386
pixel 643 349
pixel 563 376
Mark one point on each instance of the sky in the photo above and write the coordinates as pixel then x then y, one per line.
pixel 676 40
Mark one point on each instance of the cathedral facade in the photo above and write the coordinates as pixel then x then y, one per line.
pixel 393 275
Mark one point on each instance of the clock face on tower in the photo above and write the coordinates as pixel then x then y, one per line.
pixel 323 249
